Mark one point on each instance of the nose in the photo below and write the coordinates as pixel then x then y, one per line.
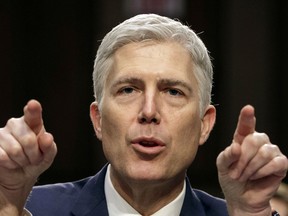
pixel 149 112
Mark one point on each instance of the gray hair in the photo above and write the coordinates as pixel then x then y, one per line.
pixel 158 28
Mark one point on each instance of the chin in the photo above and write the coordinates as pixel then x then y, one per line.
pixel 150 173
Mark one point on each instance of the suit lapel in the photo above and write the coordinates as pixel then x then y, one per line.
pixel 191 205
pixel 91 200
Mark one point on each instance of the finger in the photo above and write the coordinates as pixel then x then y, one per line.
pixel 23 135
pixel 12 148
pixel 6 162
pixel 263 156
pixel 227 158
pixel 48 148
pixel 277 167
pixel 250 147
pixel 29 145
pixel 33 116
pixel 246 124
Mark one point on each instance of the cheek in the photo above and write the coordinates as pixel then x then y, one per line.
pixel 111 130
pixel 113 121
pixel 187 126
pixel 114 128
pixel 187 138
pixel 111 138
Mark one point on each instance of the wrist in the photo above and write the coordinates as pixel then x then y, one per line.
pixel 8 209
pixel 13 200
pixel 238 211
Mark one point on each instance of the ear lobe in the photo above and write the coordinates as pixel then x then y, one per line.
pixel 95 116
pixel 207 123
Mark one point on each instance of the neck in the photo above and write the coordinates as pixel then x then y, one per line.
pixel 147 197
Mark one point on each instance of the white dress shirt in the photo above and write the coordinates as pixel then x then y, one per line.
pixel 117 206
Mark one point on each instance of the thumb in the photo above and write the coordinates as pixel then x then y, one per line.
pixel 246 124
pixel 33 116
pixel 48 148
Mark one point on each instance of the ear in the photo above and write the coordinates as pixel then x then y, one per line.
pixel 95 116
pixel 208 121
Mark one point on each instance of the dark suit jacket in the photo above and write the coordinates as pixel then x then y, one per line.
pixel 87 198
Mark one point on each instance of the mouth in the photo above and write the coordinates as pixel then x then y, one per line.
pixel 148 146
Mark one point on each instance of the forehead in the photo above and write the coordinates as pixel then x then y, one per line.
pixel 160 52
pixel 159 60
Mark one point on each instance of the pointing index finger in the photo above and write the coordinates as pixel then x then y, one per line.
pixel 246 124
pixel 33 116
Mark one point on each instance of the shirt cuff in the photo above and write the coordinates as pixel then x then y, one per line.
pixel 275 213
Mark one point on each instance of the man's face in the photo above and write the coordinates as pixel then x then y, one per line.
pixel 150 123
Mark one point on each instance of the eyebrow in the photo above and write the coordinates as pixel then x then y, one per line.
pixel 128 80
pixel 160 82
pixel 172 82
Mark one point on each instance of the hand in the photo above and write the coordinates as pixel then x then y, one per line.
pixel 26 150
pixel 250 169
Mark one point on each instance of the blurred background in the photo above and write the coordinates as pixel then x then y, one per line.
pixel 47 49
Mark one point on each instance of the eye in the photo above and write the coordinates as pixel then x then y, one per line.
pixel 126 90
pixel 175 92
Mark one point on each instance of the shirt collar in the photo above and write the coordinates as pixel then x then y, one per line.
pixel 117 206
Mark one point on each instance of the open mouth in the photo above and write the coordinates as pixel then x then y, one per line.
pixel 148 146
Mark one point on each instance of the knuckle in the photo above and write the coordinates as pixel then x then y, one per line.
pixel 252 141
pixel 283 161
pixel 264 151
pixel 14 151
pixel 4 135
pixel 262 138
pixel 279 165
pixel 257 139
pixel 11 122
pixel 268 150
pixel 14 123
pixel 27 141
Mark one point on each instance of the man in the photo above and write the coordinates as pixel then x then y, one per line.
pixel 152 82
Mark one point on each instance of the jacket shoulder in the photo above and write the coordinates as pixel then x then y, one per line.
pixel 212 205
pixel 68 198
pixel 55 197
